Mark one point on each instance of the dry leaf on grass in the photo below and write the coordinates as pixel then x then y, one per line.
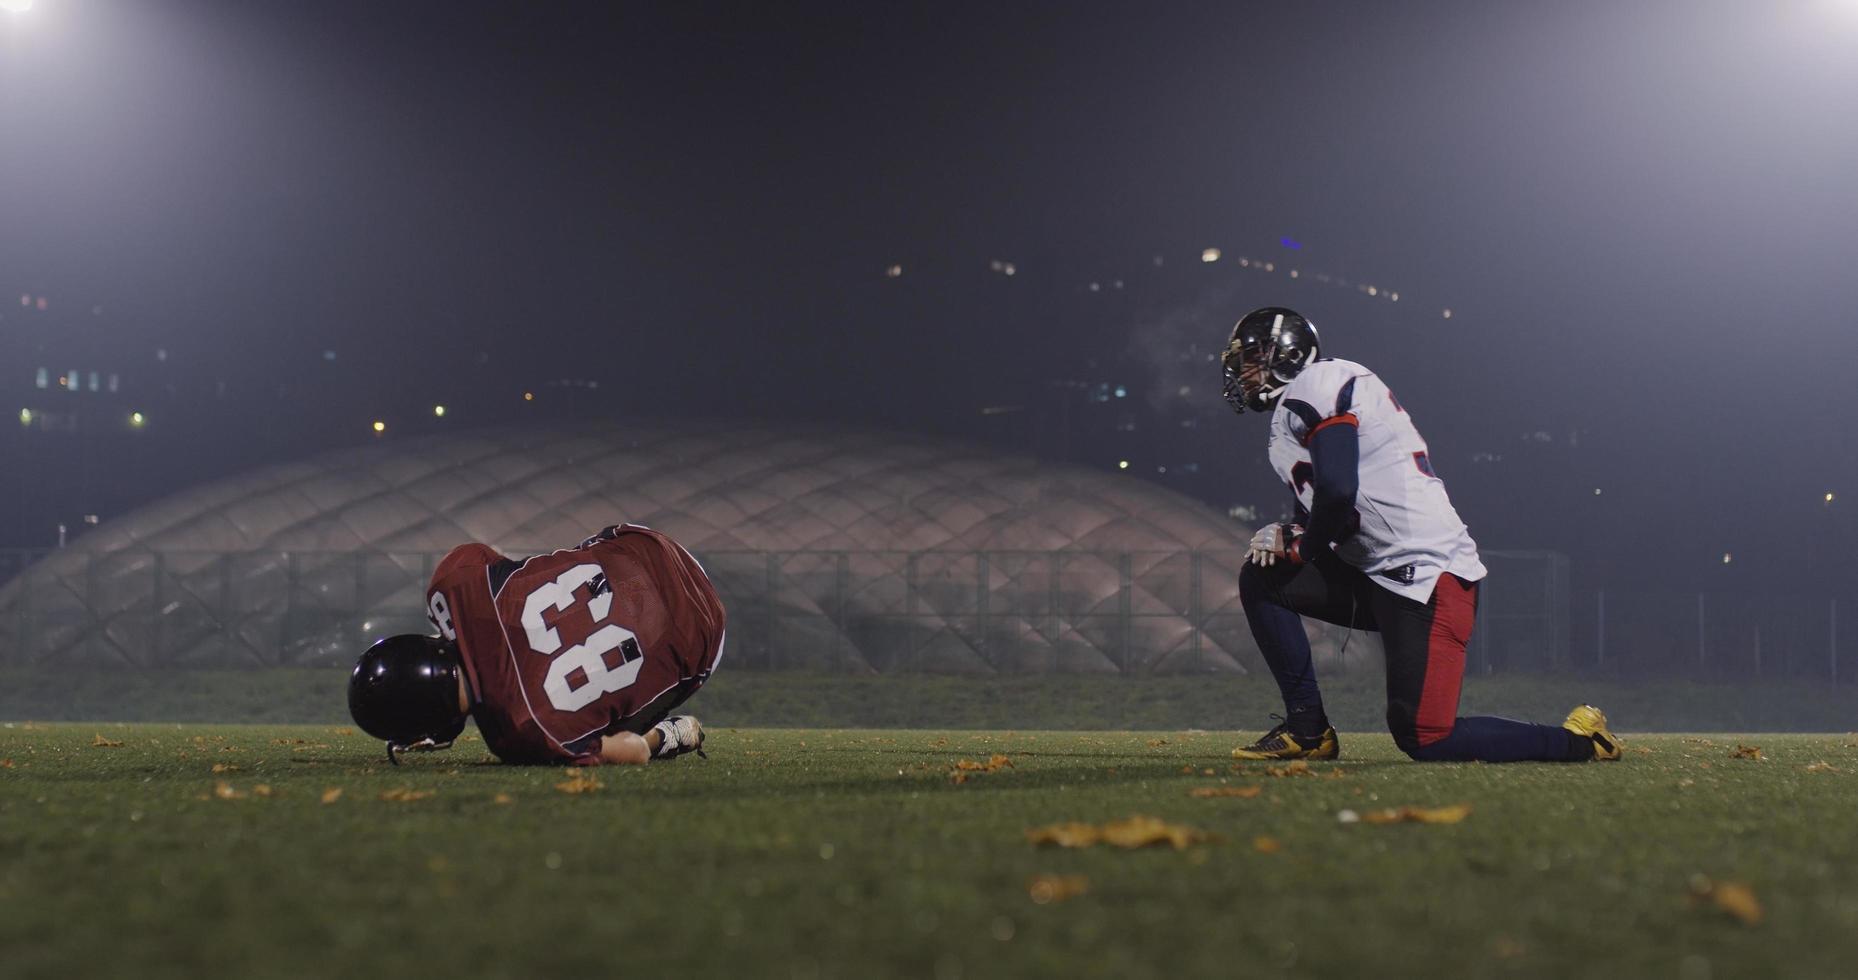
pixel 1266 845
pixel 262 789
pixel 405 794
pixel 6 763
pixel 1507 948
pixel 1048 888
pixel 579 781
pixel 287 741
pixel 502 798
pixel 1155 743
pixel 332 794
pixel 1420 814
pixel 1821 766
pixel 1242 792
pixel 965 767
pixel 1732 897
pixel 224 767
pixel 100 742
pixel 224 791
pixel 1746 752
pixel 1130 832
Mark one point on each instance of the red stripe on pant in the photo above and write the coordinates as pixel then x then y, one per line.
pixel 1454 610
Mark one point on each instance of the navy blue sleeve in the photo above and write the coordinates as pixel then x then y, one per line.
pixel 1335 457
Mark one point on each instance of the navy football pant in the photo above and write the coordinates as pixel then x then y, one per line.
pixel 1425 647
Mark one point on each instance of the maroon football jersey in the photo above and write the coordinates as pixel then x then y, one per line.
pixel 563 648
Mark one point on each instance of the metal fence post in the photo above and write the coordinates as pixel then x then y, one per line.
pixel 1124 607
pixel 981 606
pixel 771 584
pixel 909 610
pixel 1702 649
pixel 841 571
pixel 1196 623
pixel 155 628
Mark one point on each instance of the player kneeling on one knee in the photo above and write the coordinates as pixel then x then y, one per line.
pixel 1376 546
pixel 577 656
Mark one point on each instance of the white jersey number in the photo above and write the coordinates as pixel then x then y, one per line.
pixel 587 658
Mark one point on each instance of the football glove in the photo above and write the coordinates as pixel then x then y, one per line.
pixel 1272 542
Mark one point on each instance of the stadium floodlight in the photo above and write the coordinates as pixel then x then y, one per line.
pixel 137 420
pixel 379 427
pixel 438 410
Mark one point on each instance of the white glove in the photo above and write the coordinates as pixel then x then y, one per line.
pixel 1270 543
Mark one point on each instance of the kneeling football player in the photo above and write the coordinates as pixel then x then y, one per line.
pixel 577 656
pixel 1377 547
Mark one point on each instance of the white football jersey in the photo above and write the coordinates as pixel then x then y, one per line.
pixel 1409 533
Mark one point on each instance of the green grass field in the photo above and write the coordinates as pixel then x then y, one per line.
pixel 854 853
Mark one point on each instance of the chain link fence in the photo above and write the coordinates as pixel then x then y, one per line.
pixel 1131 612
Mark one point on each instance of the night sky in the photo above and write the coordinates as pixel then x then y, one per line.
pixel 1643 216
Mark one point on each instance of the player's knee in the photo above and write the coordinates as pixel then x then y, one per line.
pixel 1405 733
pixel 1254 586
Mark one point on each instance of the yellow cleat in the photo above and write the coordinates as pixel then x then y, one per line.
pixel 1591 721
pixel 1279 744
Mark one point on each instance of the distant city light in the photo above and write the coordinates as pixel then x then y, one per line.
pixel 1003 267
pixel 438 410
pixel 1095 287
pixel 1373 291
pixel 328 355
pixel 1448 313
pixel 1293 273
pixel 1727 558
pixel 528 396
pixel 1290 243
pixel 91 519
pixel 1209 255
pixel 1122 392
pixel 1122 464
pixel 1270 267
pixel 893 272
pixel 1394 296
pixel 1596 491
pixel 41 303
pixel 137 419
pixel 379 426
pixel 1828 496
pixel 25 418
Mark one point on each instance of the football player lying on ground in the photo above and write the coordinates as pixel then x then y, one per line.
pixel 577 656
pixel 1377 546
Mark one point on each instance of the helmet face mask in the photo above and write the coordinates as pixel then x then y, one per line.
pixel 404 691
pixel 1268 349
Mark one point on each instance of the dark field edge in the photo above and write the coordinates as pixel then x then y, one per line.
pixel 1007 702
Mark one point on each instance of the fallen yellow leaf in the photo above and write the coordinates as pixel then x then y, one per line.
pixel 1746 752
pixel 224 767
pixel 1130 832
pixel 224 791
pixel 332 794
pixel 105 743
pixel 1419 814
pixel 262 789
pixel 1732 897
pixel 405 794
pixel 1266 845
pixel 1821 766
pixel 578 782
pixel 1048 888
pixel 501 798
pixel 1243 792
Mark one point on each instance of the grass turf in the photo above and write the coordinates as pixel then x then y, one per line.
pixel 853 853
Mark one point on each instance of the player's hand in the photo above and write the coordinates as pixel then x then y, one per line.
pixel 1271 542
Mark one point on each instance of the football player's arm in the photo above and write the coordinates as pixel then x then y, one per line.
pixel 1335 476
pixel 624 749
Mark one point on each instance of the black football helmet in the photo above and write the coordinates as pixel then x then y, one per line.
pixel 404 691
pixel 1279 342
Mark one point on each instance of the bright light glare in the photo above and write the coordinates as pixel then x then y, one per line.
pixel 380 426
pixel 15 6
pixel 137 419
pixel 438 410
